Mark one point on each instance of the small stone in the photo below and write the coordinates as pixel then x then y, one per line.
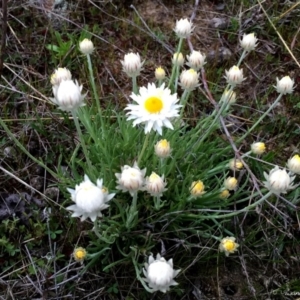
pixel 52 193
pixel 220 23
pixel 37 182
pixel 9 152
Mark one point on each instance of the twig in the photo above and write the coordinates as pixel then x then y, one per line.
pixel 4 29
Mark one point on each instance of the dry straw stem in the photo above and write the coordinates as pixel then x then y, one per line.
pixel 30 187
pixel 27 83
pixel 4 29
pixel 281 38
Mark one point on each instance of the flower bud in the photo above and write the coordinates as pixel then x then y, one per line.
pixel 230 183
pixel 197 188
pixel 132 64
pixel 229 97
pixel 258 148
pixel 160 73
pixel 248 42
pixel 224 194
pixel 131 179
pixel 178 59
pixel 196 60
pixel 86 46
pixel 189 79
pixel 294 164
pixel 59 75
pixel 155 185
pixel 162 149
pixel 235 164
pixel 285 85
pixel 234 76
pixel 183 28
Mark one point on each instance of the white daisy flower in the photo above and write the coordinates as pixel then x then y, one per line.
pixel 279 181
pixel 155 107
pixel 90 199
pixel 160 273
pixel 67 95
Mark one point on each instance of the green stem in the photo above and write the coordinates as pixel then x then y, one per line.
pixel 183 102
pixel 132 213
pixel 174 68
pixel 245 209
pixel 134 202
pixel 97 99
pixel 242 58
pixel 144 148
pixel 82 142
pixel 260 119
pixel 11 135
pixel 142 281
pixel 96 230
pixel 92 80
pixel 134 85
pixel 208 131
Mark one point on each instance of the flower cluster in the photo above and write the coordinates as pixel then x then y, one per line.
pixel 156 107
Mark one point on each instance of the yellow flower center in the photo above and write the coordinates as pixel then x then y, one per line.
pixel 297 158
pixel 153 104
pixel 160 70
pixel 192 71
pixel 164 144
pixel 79 254
pixel 153 177
pixel 229 245
pixel 87 187
pixel 261 147
pixel 104 189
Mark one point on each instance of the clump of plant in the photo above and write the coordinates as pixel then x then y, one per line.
pixel 151 183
